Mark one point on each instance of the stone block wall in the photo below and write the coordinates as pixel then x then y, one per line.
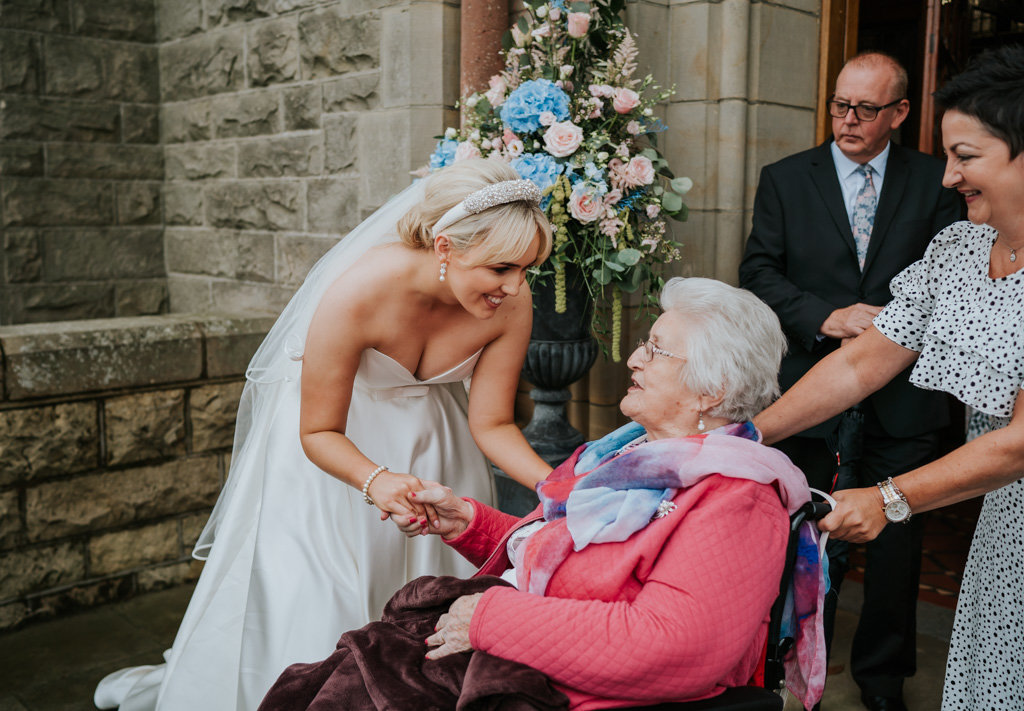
pixel 115 437
pixel 746 74
pixel 80 162
pixel 284 123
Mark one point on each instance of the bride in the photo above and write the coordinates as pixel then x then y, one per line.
pixel 357 394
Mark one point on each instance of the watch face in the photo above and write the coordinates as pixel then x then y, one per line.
pixel 897 511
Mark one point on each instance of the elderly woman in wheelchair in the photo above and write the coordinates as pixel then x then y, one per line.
pixel 647 573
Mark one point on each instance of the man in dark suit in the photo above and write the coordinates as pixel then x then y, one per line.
pixel 831 227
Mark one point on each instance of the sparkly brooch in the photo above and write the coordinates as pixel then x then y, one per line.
pixel 664 509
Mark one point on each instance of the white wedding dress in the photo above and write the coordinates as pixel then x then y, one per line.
pixel 296 557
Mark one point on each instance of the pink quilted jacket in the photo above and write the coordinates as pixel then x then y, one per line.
pixel 678 611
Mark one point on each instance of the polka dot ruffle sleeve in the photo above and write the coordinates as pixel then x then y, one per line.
pixel 968 328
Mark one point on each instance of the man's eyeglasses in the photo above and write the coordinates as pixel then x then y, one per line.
pixel 649 349
pixel 864 112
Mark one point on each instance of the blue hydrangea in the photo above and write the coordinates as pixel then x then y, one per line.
pixel 523 107
pixel 444 154
pixel 541 168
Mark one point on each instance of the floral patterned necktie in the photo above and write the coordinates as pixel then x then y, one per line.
pixel 863 218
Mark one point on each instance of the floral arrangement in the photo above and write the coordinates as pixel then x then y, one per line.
pixel 568 114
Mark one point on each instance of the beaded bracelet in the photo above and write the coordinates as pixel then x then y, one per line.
pixel 369 480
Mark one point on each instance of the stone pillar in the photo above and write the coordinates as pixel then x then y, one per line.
pixel 745 74
pixel 483 24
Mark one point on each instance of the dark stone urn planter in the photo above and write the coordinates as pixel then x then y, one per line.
pixel 561 351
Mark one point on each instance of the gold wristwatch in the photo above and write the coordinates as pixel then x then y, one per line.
pixel 894 503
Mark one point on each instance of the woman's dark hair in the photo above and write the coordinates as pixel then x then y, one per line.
pixel 991 90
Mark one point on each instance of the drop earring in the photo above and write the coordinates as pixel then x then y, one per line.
pixel 444 270
pixel 700 421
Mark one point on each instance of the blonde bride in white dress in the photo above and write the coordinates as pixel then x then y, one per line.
pixel 356 396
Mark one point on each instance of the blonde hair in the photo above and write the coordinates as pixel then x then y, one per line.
pixel 503 232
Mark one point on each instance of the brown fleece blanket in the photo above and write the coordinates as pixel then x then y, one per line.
pixel 382 666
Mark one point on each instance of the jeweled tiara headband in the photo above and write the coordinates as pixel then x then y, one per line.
pixel 494 194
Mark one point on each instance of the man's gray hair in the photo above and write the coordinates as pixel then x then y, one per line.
pixel 733 348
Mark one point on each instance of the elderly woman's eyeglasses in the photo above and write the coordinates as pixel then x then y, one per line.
pixel 864 112
pixel 648 350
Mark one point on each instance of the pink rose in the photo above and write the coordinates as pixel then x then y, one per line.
pixel 653 210
pixel 632 128
pixel 496 94
pixel 625 100
pixel 585 206
pixel 639 171
pixel 562 138
pixel 578 24
pixel 546 118
pixel 465 151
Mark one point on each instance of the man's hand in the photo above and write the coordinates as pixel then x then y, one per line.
pixel 849 322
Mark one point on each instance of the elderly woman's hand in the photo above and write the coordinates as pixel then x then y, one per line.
pixel 857 517
pixel 452 635
pixel 450 515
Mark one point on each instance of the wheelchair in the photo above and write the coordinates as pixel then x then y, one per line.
pixel 769 697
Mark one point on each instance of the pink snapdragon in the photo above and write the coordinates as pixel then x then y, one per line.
pixel 611 227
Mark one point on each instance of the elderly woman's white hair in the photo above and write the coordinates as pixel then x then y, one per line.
pixel 734 345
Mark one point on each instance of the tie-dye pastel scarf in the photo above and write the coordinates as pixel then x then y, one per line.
pixel 608 491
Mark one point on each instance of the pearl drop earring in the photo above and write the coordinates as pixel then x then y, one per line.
pixel 700 421
pixel 444 270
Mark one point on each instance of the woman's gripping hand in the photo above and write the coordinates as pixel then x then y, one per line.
pixel 448 516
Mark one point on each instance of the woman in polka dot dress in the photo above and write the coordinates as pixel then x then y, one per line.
pixel 958 316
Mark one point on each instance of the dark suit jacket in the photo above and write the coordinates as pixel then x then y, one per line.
pixel 801 260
